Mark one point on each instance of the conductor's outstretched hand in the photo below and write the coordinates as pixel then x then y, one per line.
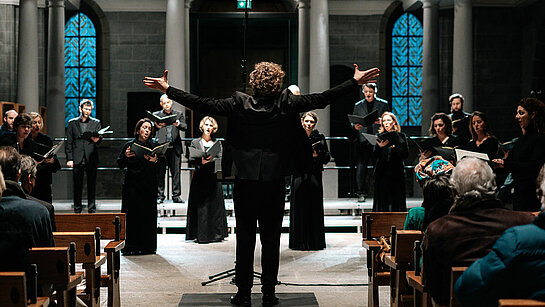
pixel 157 83
pixel 365 76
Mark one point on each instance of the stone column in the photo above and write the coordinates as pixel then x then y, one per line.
pixel 55 69
pixel 304 46
pixel 462 53
pixel 175 43
pixel 27 56
pixel 319 57
pixel 430 65
pixel 187 51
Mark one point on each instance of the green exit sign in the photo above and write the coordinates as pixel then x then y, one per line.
pixel 241 4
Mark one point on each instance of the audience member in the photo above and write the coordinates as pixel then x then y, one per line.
pixel 437 201
pixel 23 223
pixel 513 269
pixel 468 232
pixel 29 169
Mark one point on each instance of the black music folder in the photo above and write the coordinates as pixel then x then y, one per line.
pixel 213 151
pixel 88 134
pixel 141 150
pixel 366 120
pixel 393 137
pixel 41 152
pixel 168 120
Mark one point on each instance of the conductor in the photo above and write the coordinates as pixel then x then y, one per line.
pixel 263 144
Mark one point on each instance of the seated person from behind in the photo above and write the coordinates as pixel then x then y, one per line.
pixel 476 220
pixel 437 201
pixel 29 169
pixel 23 223
pixel 513 269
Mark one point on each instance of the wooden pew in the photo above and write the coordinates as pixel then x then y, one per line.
pixel 520 303
pixel 56 266
pixel 88 254
pixel 455 273
pixel 13 291
pixel 112 227
pixel 376 225
pixel 415 279
pixel 400 260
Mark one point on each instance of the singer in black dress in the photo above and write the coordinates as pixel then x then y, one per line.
pixel 46 168
pixel 139 193
pixel 389 193
pixel 206 217
pixel 307 230
pixel 482 139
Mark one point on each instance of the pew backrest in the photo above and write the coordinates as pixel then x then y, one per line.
pixel 85 244
pixel 455 273
pixel 53 264
pixel 72 222
pixel 13 289
pixel 404 250
pixel 382 222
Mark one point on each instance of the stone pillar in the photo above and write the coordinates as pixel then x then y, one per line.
pixel 304 46
pixel 175 43
pixel 27 56
pixel 187 52
pixel 462 53
pixel 430 65
pixel 319 57
pixel 55 69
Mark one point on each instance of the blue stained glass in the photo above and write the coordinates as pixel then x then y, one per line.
pixel 86 27
pixel 71 48
pixel 400 81
pixel 72 26
pixel 88 82
pixel 415 51
pixel 80 62
pixel 399 105
pixel 71 77
pixel 400 27
pixel 71 109
pixel 87 52
pixel 407 59
pixel 414 26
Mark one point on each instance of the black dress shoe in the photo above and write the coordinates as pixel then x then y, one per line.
pixel 241 300
pixel 160 200
pixel 269 299
pixel 177 199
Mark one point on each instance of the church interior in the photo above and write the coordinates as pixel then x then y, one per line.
pixel 55 53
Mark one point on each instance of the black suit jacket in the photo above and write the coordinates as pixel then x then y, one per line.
pixel 265 140
pixel 361 109
pixel 76 147
pixel 176 139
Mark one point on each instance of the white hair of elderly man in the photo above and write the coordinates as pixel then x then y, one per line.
pixel 473 177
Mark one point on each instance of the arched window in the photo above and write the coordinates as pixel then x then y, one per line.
pixel 407 70
pixel 80 59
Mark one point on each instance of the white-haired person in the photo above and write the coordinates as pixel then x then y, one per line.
pixel 475 221
pixel 514 269
pixel 206 217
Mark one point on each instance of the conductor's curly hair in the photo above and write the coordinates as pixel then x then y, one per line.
pixel 266 78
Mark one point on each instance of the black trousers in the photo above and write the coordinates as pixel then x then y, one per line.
pixel 173 160
pixel 91 170
pixel 258 202
pixel 363 154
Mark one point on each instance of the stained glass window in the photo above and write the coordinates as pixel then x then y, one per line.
pixel 407 70
pixel 80 64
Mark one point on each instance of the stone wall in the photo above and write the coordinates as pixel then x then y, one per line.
pixel 8 51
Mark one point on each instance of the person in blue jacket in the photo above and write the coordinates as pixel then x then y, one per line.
pixel 515 268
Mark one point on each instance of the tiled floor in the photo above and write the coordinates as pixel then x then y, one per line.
pixel 180 266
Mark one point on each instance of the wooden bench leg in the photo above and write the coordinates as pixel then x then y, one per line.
pixel 113 268
pixel 92 287
pixel 372 288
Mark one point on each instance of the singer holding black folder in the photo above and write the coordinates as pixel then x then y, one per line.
pixel 264 143
pixel 46 168
pixel 139 193
pixel 389 167
pixel 206 217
